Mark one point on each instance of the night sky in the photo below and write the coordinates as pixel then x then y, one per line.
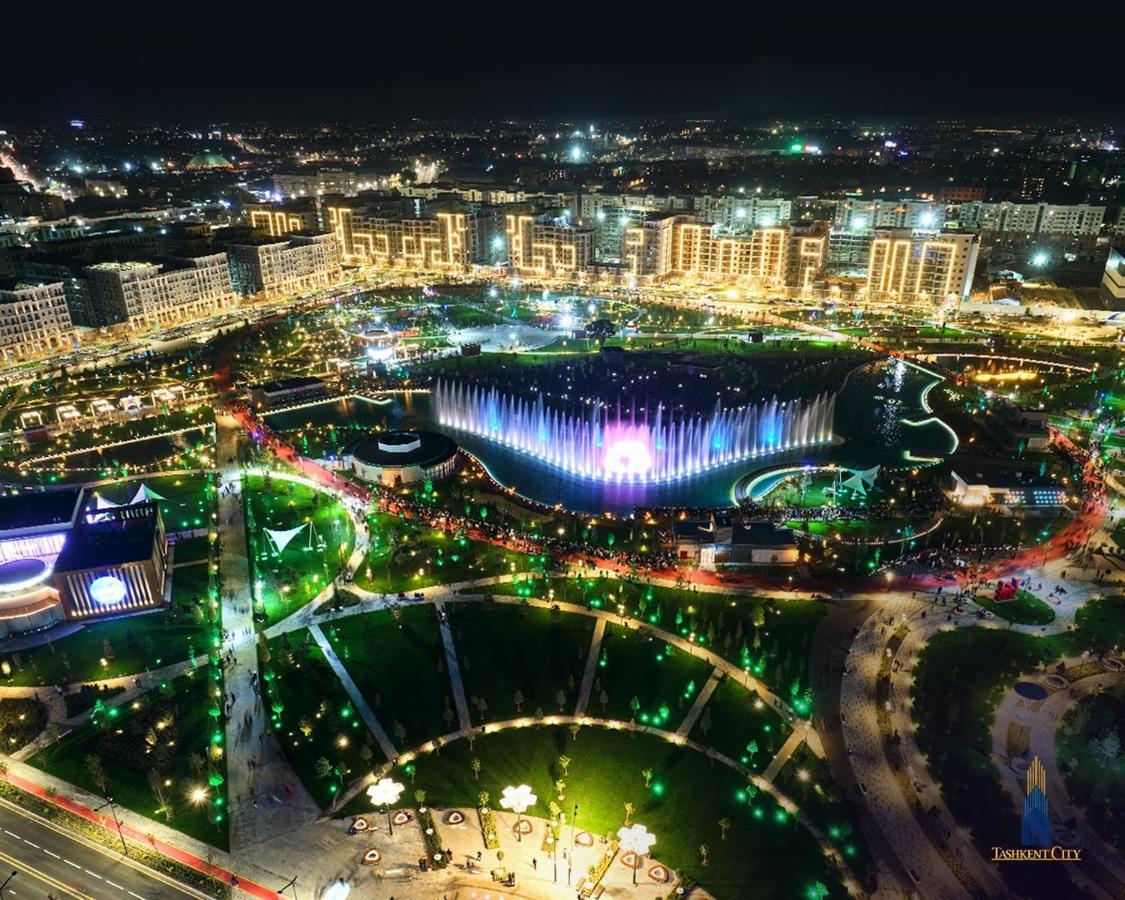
pixel 1003 61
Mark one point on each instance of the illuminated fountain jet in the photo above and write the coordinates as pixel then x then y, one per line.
pixel 617 446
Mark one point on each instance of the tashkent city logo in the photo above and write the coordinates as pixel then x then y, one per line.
pixel 1035 826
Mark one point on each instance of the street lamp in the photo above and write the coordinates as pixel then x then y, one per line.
pixel 6 880
pixel 638 839
pixel 385 793
pixel 113 809
pixel 518 799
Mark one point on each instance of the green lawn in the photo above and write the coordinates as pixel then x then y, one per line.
pixel 1023 609
pixel 313 717
pixel 1094 777
pixel 734 717
pixel 379 652
pixel 806 780
pixel 405 556
pixel 766 853
pixel 165 732
pixel 662 679
pixel 503 649
pixel 772 638
pixel 310 561
pixel 129 645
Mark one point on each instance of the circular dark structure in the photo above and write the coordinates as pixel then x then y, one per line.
pixel 18 574
pixel 1029 690
pixel 402 457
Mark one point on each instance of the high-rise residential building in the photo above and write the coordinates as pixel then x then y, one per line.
pixel 386 235
pixel 548 247
pixel 34 320
pixel 19 200
pixel 806 255
pixel 1113 278
pixel 741 213
pixel 866 214
pixel 149 294
pixel 280 219
pixel 270 268
pixel 906 266
pixel 321 182
pixel 1016 227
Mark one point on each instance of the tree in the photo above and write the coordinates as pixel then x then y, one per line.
pixel 704 850
pixel 420 797
pixel 96 771
pixel 399 732
pixel 724 827
pixel 635 706
pixel 160 792
pixel 646 774
pixel 751 792
pixel 600 330
pixel 603 699
pixel 818 891
pixel 482 799
pixel 751 749
pixel 1109 746
pixel 323 768
pixel 564 764
pixel 628 812
pixel 482 706
pixel 518 700
pixel 474 764
pixel 365 753
pixel 560 699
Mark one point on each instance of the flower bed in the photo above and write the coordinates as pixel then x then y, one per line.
pixel 435 852
pixel 488 828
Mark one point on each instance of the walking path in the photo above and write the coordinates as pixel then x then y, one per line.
pixel 782 757
pixel 361 705
pixel 258 774
pixel 454 668
pixel 700 701
pixel 591 667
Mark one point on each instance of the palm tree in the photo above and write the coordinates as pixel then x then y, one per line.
pixel 574 729
pixel 564 764
pixel 703 851
pixel 724 826
pixel 628 812
pixel 474 764
pixel 647 775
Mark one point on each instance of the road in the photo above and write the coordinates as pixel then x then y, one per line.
pixel 56 863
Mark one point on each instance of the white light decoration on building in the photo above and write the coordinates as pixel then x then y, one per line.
pixel 107 590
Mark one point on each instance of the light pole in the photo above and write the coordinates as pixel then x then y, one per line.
pixel 113 809
pixel 6 880
pixel 518 799
pixel 291 884
pixel 638 839
pixel 385 793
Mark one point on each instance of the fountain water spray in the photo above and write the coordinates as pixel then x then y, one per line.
pixel 605 446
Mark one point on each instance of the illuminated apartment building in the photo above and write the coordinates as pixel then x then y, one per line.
pixel 1018 227
pixel 145 295
pixel 806 254
pixel 280 219
pixel 271 268
pixel 906 266
pixel 548 248
pixel 34 320
pixel 861 214
pixel 383 237
pixel 739 213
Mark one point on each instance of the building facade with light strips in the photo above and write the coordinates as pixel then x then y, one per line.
pixel 905 266
pixel 442 242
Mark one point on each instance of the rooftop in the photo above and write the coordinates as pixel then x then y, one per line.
pixel 38 509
